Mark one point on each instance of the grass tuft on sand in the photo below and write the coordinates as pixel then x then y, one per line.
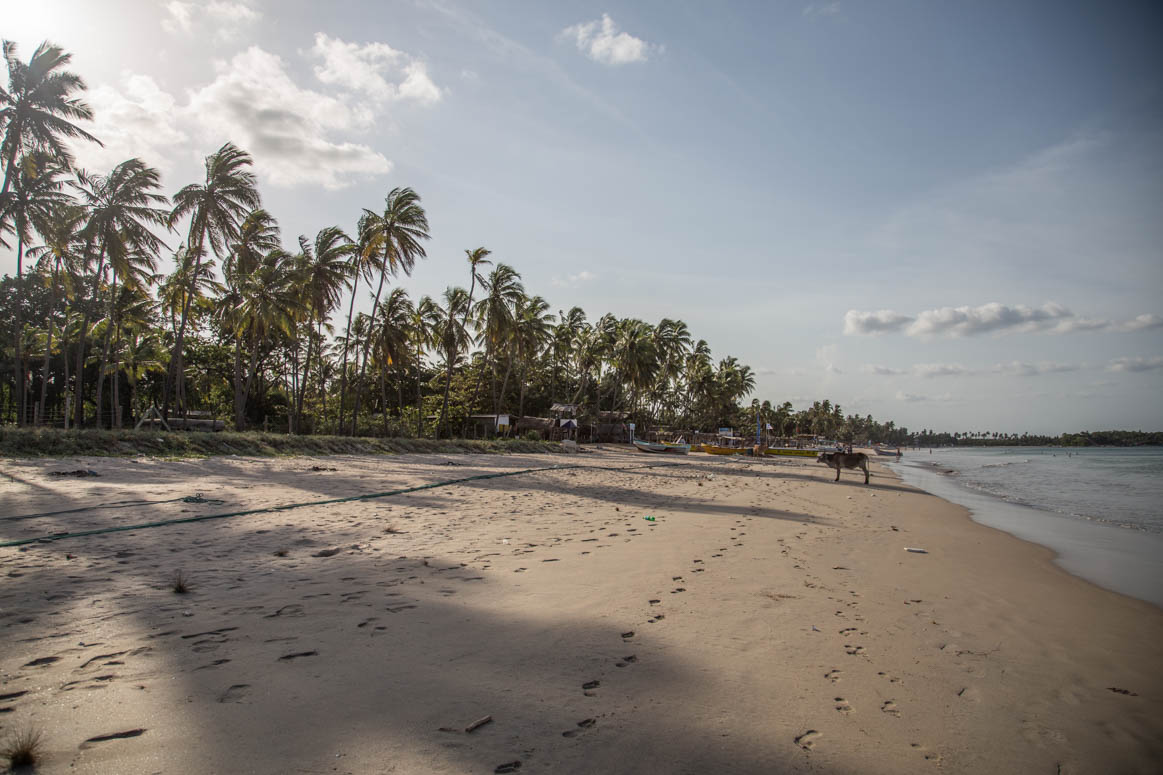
pixel 52 442
pixel 179 583
pixel 24 748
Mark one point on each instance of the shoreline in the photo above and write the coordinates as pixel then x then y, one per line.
pixel 775 623
pixel 1122 560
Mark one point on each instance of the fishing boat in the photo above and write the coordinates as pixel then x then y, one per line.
pixel 662 446
pixel 712 449
pixel 789 452
pixel 886 452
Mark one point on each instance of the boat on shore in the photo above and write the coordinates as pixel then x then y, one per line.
pixel 789 452
pixel 886 452
pixel 661 446
pixel 713 449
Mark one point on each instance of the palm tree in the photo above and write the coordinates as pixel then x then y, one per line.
pixel 122 206
pixel 59 262
pixel 38 107
pixel 476 259
pixel 325 268
pixel 392 340
pixel 452 339
pixel 425 321
pixel 268 305
pixel 534 330
pixel 395 238
pixel 215 208
pixel 37 193
pixel 496 313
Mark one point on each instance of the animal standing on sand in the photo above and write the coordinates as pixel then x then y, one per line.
pixel 840 460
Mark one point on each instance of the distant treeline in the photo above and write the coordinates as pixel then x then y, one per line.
pixel 1083 439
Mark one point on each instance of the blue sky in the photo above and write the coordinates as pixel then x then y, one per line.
pixel 947 214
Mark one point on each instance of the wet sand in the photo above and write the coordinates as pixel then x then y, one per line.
pixel 766 620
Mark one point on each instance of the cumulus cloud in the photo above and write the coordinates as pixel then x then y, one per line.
pixel 374 69
pixel 881 322
pixel 1152 363
pixel 992 318
pixel 1141 323
pixel 228 20
pixel 297 135
pixel 601 41
pixel 1023 369
pixel 573 280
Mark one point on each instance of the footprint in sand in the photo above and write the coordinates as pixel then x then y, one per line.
pixel 833 675
pixel 808 739
pixel 842 705
pixel 235 693
pixel 626 661
pixel 890 708
pixel 676 590
pixel 853 651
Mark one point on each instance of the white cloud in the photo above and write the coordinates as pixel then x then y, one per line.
pixel 929 370
pixel 988 318
pixel 138 119
pixel 1152 363
pixel 826 357
pixel 573 280
pixel 228 20
pixel 297 135
pixel 602 42
pixel 992 318
pixel 374 69
pixel 1141 323
pixel 179 17
pixel 879 322
pixel 915 398
pixel 821 10
pixel 882 371
pixel 1022 369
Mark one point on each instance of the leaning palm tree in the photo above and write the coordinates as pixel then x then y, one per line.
pixel 215 208
pixel 122 207
pixel 395 238
pixel 38 107
pixel 37 192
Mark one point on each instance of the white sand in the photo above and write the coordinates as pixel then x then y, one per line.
pixel 791 632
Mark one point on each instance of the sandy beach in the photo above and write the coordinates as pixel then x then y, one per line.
pixel 766 620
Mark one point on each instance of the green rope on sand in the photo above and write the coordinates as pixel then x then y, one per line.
pixel 285 507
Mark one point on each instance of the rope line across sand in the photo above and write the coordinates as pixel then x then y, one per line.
pixel 287 506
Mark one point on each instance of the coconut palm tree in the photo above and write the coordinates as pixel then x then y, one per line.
pixel 58 260
pixel 424 323
pixel 325 268
pixel 503 289
pixel 451 339
pixel 268 305
pixel 533 331
pixel 37 192
pixel 392 343
pixel 395 238
pixel 476 260
pixel 122 207
pixel 216 209
pixel 38 108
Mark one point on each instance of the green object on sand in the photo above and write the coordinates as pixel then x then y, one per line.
pixel 650 519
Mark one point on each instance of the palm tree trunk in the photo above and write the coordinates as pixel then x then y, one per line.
pixel 105 350
pixel 177 360
pixel 367 346
pixel 475 391
pixel 49 324
pixel 239 396
pixel 78 399
pixel 346 341
pixel 117 377
pixel 18 365
pixel 419 408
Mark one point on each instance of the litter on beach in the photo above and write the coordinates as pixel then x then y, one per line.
pixel 914 550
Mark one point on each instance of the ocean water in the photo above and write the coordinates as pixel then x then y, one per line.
pixel 1100 510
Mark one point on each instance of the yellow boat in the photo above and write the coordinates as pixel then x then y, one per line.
pixel 782 452
pixel 711 449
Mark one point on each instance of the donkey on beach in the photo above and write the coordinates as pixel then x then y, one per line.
pixel 840 460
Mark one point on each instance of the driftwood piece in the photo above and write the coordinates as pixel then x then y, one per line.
pixel 480 722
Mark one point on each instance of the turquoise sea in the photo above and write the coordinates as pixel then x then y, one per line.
pixel 1099 509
